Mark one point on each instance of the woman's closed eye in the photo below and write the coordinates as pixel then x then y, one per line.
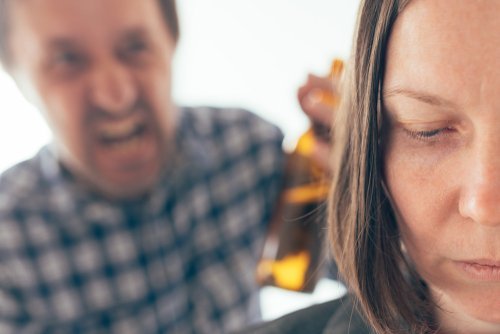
pixel 431 135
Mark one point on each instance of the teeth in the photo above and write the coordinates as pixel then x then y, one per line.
pixel 128 145
pixel 118 130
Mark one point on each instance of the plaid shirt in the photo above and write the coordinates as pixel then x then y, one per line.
pixel 180 261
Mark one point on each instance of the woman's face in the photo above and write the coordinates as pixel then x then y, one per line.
pixel 441 98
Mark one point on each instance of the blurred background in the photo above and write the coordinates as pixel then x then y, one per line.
pixel 246 53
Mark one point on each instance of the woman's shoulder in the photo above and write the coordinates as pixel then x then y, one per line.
pixel 338 316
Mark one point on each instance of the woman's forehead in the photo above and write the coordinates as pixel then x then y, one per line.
pixel 445 45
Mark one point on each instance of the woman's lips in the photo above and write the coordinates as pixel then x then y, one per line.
pixel 481 270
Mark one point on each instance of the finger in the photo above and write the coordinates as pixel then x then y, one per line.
pixel 306 88
pixel 318 83
pixel 324 83
pixel 318 112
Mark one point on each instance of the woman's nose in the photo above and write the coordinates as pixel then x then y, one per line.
pixel 480 193
pixel 113 89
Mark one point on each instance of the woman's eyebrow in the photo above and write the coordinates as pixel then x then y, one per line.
pixel 424 97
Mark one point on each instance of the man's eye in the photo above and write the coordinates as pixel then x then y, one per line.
pixel 137 46
pixel 135 51
pixel 66 63
pixel 134 48
pixel 68 58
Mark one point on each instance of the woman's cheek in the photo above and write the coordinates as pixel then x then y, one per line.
pixel 421 181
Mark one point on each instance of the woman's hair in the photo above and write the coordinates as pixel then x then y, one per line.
pixel 362 224
pixel 167 7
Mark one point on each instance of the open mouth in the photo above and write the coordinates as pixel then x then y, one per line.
pixel 118 137
pixel 117 133
pixel 125 148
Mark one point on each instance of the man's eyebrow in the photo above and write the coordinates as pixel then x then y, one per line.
pixel 420 96
pixel 135 32
pixel 61 43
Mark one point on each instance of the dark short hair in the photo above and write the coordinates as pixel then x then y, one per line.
pixel 363 230
pixel 168 9
pixel 3 31
pixel 169 13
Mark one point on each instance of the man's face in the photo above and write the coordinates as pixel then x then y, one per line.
pixel 100 72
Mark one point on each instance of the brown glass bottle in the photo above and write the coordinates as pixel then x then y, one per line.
pixel 294 245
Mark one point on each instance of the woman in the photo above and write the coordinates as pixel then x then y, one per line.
pixel 415 211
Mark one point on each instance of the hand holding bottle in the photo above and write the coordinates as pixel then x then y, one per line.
pixel 319 99
pixel 292 255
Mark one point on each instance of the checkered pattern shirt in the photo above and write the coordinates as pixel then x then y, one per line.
pixel 181 261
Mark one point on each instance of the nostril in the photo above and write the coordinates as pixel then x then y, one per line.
pixel 481 204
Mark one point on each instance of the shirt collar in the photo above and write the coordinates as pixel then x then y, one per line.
pixel 191 147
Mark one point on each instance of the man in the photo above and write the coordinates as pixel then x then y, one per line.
pixel 140 217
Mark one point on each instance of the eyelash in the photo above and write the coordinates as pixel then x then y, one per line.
pixel 428 135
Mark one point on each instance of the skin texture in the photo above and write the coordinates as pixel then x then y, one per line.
pixel 100 72
pixel 442 153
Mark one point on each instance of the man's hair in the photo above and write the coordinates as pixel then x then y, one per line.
pixel 167 7
pixel 169 13
pixel 3 31
pixel 363 230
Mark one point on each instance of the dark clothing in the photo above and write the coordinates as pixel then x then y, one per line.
pixel 335 317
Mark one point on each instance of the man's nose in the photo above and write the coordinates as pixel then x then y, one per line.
pixel 113 88
pixel 480 193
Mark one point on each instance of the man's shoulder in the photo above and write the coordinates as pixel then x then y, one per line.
pixel 19 183
pixel 236 122
pixel 234 139
pixel 337 316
